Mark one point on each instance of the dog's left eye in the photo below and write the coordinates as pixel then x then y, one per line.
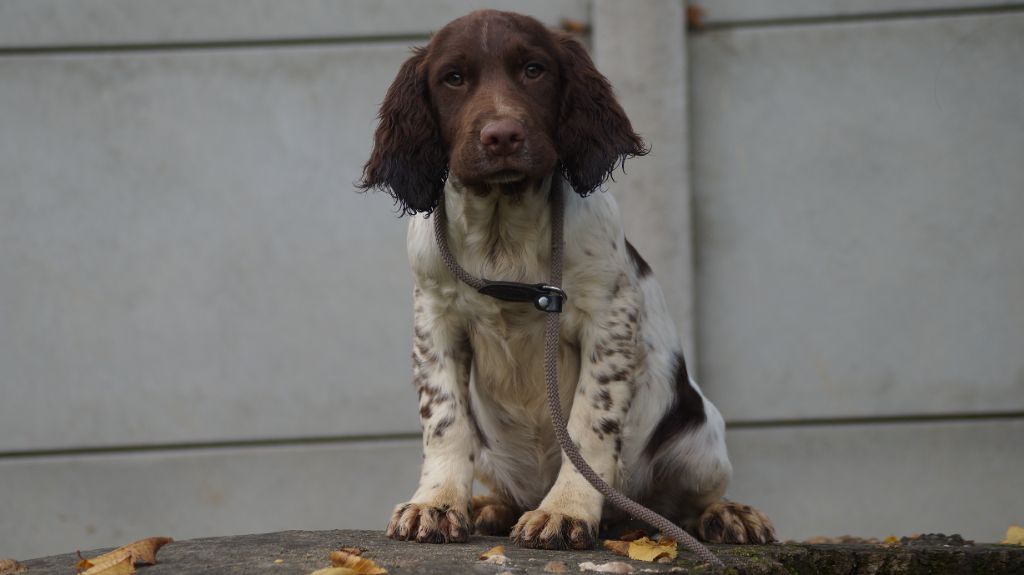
pixel 533 70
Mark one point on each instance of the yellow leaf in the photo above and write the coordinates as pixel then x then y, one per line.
pixel 141 551
pixel 358 565
pixel 1014 535
pixel 891 540
pixel 644 549
pixel 123 566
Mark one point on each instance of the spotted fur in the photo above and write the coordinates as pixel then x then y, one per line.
pixel 507 132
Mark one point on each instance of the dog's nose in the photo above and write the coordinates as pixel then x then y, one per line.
pixel 502 137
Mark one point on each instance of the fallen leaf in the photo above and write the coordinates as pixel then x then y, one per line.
pixel 123 566
pixel 495 556
pixel 891 540
pixel 278 561
pixel 9 566
pixel 357 564
pixel 556 567
pixel 610 567
pixel 141 551
pixel 617 547
pixel 1014 535
pixel 644 549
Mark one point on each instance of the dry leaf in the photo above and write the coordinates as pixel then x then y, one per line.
pixel 617 547
pixel 891 540
pixel 495 556
pixel 9 566
pixel 357 564
pixel 1014 535
pixel 278 561
pixel 610 567
pixel 123 566
pixel 141 551
pixel 556 567
pixel 644 549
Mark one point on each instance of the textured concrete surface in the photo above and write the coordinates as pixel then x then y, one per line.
pixel 300 552
pixel 858 204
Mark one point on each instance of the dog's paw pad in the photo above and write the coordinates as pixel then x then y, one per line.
pixel 545 530
pixel 492 517
pixel 428 524
pixel 731 522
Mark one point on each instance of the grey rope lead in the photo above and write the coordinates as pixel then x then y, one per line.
pixel 551 343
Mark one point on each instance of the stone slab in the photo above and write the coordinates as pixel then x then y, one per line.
pixel 858 205
pixel 879 480
pixel 56 504
pixel 96 23
pixel 183 255
pixel 301 552
pixel 747 11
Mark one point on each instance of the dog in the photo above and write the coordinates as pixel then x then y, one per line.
pixel 485 119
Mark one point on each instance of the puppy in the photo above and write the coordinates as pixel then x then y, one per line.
pixel 486 119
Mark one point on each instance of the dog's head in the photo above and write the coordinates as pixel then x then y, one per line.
pixel 496 98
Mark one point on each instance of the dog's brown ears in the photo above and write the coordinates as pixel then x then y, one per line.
pixel 408 160
pixel 594 134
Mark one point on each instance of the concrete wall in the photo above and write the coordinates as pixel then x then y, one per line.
pixel 204 331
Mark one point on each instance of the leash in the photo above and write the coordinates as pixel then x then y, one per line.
pixel 549 298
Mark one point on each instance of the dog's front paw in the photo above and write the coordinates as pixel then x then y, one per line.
pixel 731 522
pixel 541 529
pixel 428 524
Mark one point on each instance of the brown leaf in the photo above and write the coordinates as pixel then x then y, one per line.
pixel 9 566
pixel 556 567
pixel 123 566
pixel 357 564
pixel 694 17
pixel 1014 535
pixel 141 551
pixel 617 547
pixel 495 556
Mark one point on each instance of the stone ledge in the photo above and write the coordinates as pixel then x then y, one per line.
pixel 302 552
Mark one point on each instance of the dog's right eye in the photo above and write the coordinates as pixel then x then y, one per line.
pixel 453 79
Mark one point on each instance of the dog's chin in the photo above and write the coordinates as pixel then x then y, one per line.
pixel 505 177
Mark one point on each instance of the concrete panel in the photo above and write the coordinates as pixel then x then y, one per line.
pixel 59 504
pixel 858 205
pixel 641 49
pixel 183 257
pixel 28 23
pixel 740 11
pixel 879 480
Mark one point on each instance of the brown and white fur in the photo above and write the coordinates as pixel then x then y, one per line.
pixel 484 119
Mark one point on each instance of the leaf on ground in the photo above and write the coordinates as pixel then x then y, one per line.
pixel 644 549
pixel 610 567
pixel 495 556
pixel 335 571
pixel 123 566
pixel 359 565
pixel 9 566
pixel 891 540
pixel 556 567
pixel 1014 535
pixel 141 551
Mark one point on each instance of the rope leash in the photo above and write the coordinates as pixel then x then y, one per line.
pixel 549 298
